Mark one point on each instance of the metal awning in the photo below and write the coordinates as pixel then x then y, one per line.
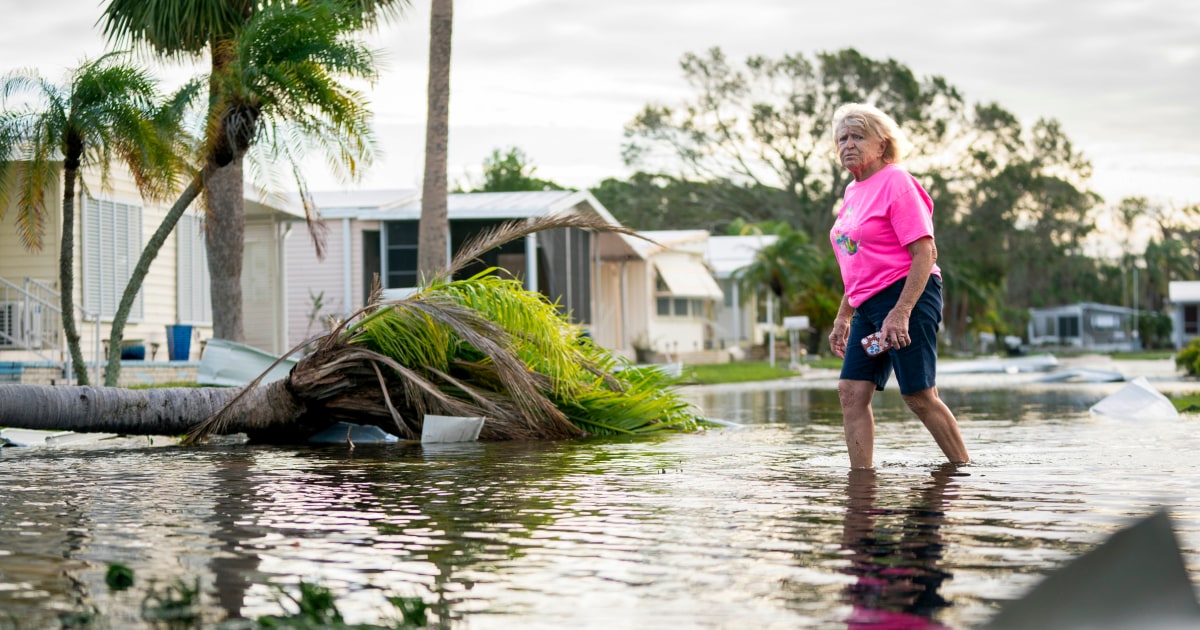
pixel 688 278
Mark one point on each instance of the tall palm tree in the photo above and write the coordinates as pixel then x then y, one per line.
pixel 434 227
pixel 105 111
pixel 247 94
pixel 282 96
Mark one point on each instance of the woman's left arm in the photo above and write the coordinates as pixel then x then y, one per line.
pixel 895 325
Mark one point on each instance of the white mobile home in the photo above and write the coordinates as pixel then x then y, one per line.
pixel 739 319
pixel 372 235
pixel 1086 325
pixel 113 225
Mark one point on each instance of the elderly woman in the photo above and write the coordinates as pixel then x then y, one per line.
pixel 883 240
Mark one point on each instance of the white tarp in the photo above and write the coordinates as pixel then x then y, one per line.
pixel 436 428
pixel 35 437
pixel 1137 400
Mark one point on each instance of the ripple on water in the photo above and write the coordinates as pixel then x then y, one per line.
pixel 754 527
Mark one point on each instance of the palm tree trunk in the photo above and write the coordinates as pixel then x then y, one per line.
pixel 225 236
pixel 434 228
pixel 164 411
pixel 113 370
pixel 66 270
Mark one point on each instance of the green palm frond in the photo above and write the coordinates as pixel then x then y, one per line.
pixel 543 339
pixel 643 404
pixel 597 392
pixel 283 78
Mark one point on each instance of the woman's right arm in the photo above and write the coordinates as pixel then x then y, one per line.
pixel 841 328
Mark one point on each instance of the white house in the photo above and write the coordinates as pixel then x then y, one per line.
pixel 373 235
pixel 1185 301
pixel 739 319
pixel 1086 325
pixel 113 226
pixel 672 296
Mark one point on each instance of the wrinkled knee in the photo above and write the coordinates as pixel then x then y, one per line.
pixel 855 394
pixel 922 401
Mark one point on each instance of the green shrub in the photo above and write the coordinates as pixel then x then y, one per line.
pixel 1189 358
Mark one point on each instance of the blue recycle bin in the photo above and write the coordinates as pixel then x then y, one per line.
pixel 179 342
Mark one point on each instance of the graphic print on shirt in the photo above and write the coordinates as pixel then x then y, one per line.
pixel 849 232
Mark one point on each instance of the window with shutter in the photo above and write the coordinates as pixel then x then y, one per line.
pixel 112 243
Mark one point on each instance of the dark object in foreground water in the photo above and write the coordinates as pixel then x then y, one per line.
pixel 1135 579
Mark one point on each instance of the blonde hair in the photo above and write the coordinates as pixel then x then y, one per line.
pixel 875 123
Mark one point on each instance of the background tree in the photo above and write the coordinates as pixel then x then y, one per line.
pixel 1014 218
pixel 765 127
pixel 244 100
pixel 104 112
pixel 511 171
pixel 656 201
pixel 433 239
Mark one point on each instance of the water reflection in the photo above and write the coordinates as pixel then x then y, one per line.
pixel 896 554
pixel 759 527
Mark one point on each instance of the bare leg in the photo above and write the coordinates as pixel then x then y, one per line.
pixel 858 421
pixel 940 422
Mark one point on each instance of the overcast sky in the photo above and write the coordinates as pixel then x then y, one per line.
pixel 560 78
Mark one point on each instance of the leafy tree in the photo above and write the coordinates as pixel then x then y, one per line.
pixel 765 127
pixel 1014 216
pixel 105 111
pixel 1172 254
pixel 272 82
pixel 433 240
pixel 511 171
pixel 663 202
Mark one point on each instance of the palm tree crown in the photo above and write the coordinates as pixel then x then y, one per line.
pixel 107 110
pixel 275 66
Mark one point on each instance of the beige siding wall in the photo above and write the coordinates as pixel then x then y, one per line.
pixel 621 307
pixel 608 323
pixel 638 303
pixel 307 277
pixel 158 291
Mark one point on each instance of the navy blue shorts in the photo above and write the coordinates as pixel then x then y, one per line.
pixel 915 364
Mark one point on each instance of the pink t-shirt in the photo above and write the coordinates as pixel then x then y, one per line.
pixel 879 218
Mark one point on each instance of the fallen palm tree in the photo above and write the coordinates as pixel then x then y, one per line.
pixel 483 346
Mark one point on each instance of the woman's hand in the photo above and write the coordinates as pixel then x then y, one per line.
pixel 895 328
pixel 837 338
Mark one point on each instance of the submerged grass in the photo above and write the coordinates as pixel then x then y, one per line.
pixel 178 606
pixel 739 372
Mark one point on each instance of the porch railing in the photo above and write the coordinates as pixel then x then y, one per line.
pixel 31 322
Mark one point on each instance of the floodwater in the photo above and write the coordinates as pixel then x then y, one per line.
pixel 757 527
